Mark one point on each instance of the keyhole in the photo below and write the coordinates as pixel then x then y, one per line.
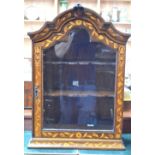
pixel 36 92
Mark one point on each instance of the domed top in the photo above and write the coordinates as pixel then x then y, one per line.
pixel 79 13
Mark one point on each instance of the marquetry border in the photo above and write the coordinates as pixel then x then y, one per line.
pixel 56 31
pixel 78 144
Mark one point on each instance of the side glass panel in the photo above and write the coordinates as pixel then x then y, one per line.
pixel 79 84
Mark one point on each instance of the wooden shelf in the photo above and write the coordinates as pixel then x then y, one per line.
pixel 127 100
pixel 27 58
pixel 28 114
pixel 129 41
pixel 26 37
pixel 43 21
pixel 28 86
pixel 34 21
pixel 71 93
pixel 79 62
pixel 126 114
pixel 122 23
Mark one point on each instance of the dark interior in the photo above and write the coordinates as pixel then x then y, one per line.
pixel 79 84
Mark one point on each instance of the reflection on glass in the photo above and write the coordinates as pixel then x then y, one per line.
pixel 79 78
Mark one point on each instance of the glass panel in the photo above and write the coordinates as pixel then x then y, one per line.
pixel 79 84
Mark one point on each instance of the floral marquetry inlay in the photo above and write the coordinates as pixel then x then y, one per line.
pixel 99 36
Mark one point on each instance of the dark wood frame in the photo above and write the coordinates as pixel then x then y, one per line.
pixel 47 36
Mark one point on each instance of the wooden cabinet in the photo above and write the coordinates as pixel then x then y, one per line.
pixel 78 82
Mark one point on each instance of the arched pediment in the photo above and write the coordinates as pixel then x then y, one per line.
pixel 76 14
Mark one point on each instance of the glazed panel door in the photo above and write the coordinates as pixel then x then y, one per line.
pixel 79 84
